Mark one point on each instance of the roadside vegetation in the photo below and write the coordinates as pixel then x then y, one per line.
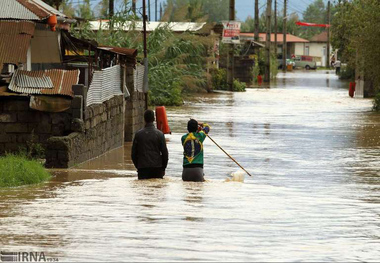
pixel 17 170
pixel 178 63
pixel 356 34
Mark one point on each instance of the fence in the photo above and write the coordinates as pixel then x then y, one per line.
pixel 106 84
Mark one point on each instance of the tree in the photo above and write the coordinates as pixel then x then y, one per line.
pixel 315 13
pixel 196 11
pixel 84 10
pixel 54 3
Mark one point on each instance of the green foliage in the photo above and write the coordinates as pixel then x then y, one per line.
pixel 376 102
pixel 196 11
pixel 356 35
pixel 347 73
pixel 17 170
pixel 273 66
pixel 177 62
pixel 219 79
pixel 239 86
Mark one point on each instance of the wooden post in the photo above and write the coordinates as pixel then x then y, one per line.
pixel 230 59
pixel 160 11
pixel 275 28
pixel 149 17
pixel 155 10
pixel 284 43
pixel 134 7
pixel 328 36
pixel 257 20
pixel 145 56
pixel 268 42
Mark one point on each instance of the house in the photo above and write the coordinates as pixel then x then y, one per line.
pixel 317 48
pixel 295 45
pixel 72 97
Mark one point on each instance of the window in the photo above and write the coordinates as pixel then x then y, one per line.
pixel 307 50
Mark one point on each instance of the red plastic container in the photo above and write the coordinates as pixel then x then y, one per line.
pixel 162 120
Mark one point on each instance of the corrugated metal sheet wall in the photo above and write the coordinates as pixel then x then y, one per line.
pixel 105 84
pixel 138 75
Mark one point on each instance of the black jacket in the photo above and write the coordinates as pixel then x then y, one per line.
pixel 149 148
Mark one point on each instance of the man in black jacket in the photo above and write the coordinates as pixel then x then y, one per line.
pixel 149 152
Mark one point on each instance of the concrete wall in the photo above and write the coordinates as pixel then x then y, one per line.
pixel 20 125
pixel 100 130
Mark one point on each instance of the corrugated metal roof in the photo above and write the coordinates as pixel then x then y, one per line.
pixel 150 26
pixel 48 8
pixel 262 36
pixel 15 10
pixel 27 10
pixel 120 50
pixel 61 80
pixel 15 39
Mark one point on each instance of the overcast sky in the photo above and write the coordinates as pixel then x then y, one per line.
pixel 244 8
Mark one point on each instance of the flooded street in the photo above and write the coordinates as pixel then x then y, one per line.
pixel 314 154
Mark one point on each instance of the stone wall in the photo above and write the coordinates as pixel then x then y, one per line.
pixel 20 125
pixel 134 114
pixel 100 130
pixel 134 107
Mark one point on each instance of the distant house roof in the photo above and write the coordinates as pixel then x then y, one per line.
pixel 15 39
pixel 262 37
pixel 322 37
pixel 150 26
pixel 27 10
pixel 45 82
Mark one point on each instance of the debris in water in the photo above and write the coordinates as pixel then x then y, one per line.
pixel 237 176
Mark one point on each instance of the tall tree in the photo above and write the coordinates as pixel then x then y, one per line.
pixel 85 11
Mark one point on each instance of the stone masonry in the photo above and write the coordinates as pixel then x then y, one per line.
pixel 100 130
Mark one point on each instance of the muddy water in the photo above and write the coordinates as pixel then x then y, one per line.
pixel 314 196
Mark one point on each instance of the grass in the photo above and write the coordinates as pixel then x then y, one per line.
pixel 17 170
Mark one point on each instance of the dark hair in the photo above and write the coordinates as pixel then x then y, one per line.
pixel 192 125
pixel 149 116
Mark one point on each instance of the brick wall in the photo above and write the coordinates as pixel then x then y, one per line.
pixel 100 130
pixel 20 125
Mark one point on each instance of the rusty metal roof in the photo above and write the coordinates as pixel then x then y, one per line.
pixel 27 10
pixel 39 82
pixel 120 50
pixel 15 39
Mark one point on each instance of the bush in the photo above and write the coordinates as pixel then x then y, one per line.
pixel 239 86
pixel 347 73
pixel 376 102
pixel 219 79
pixel 17 170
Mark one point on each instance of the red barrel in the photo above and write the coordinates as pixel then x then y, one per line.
pixel 162 120
pixel 351 90
pixel 259 79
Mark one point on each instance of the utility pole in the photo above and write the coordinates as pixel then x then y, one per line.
pixel 149 17
pixel 267 42
pixel 155 10
pixel 230 58
pixel 134 7
pixel 275 28
pixel 145 87
pixel 111 6
pixel 160 11
pixel 328 36
pixel 257 21
pixel 284 44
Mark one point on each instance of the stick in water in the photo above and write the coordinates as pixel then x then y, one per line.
pixel 228 155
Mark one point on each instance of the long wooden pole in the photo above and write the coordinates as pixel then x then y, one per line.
pixel 268 42
pixel 284 43
pixel 230 58
pixel 257 21
pixel 275 28
pixel 328 37
pixel 228 155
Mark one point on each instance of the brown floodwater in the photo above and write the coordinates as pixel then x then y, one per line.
pixel 314 154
